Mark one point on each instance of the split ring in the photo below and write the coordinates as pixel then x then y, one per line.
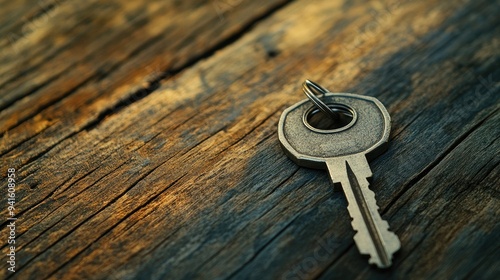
pixel 308 87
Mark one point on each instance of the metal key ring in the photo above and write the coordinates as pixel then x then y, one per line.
pixel 308 87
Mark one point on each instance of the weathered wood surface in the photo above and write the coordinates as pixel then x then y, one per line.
pixel 144 135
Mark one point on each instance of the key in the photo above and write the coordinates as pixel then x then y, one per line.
pixel 344 147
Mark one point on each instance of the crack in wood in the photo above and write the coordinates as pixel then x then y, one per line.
pixel 434 163
pixel 102 235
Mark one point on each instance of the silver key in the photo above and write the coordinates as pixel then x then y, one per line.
pixel 343 147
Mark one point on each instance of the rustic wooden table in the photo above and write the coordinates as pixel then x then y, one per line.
pixel 143 135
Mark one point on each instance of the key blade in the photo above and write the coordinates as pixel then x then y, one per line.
pixel 381 257
pixel 373 236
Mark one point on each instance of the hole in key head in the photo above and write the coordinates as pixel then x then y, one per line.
pixel 318 121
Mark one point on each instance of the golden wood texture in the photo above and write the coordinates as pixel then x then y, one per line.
pixel 144 135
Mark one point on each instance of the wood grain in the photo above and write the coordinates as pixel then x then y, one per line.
pixel 144 136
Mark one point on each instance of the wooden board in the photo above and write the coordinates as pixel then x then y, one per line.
pixel 144 137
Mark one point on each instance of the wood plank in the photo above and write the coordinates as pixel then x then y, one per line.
pixel 136 44
pixel 189 181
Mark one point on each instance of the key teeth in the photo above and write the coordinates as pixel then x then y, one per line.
pixel 396 244
pixel 389 238
pixel 372 236
pixel 369 194
pixel 379 264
